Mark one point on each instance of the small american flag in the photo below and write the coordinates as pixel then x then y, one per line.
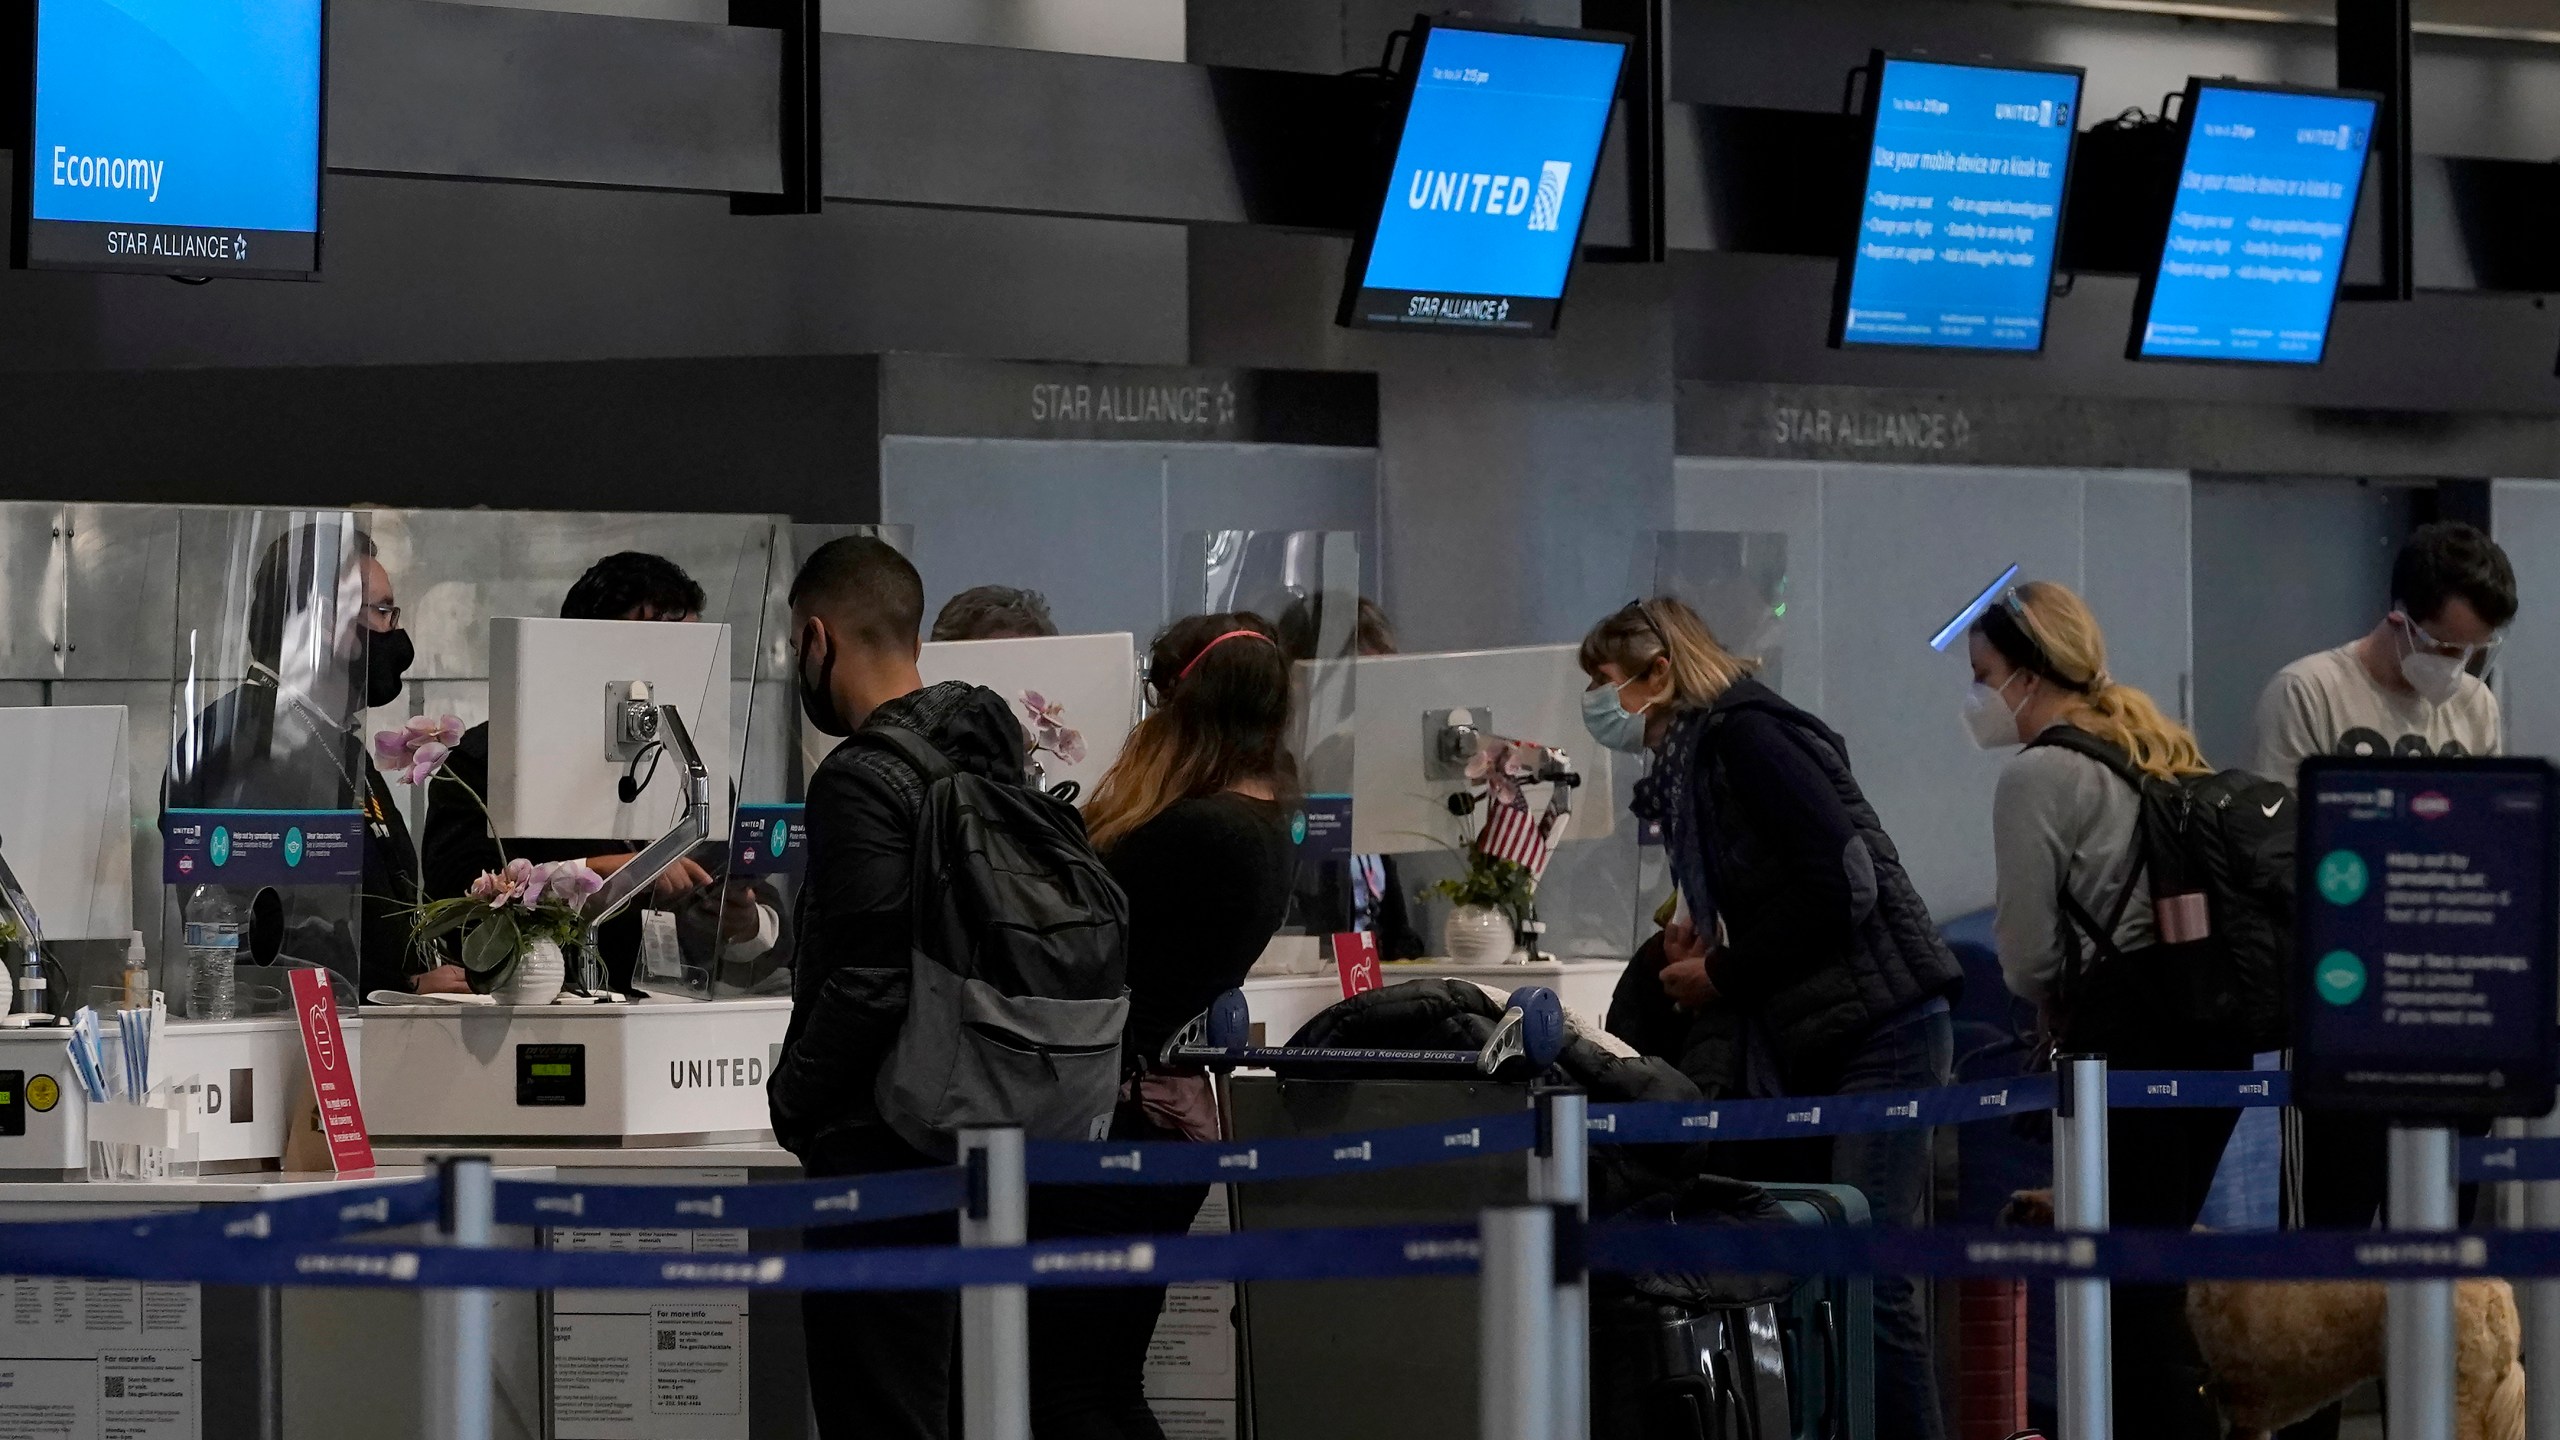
pixel 1513 832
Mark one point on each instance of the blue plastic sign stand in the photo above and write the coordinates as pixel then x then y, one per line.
pixel 2427 942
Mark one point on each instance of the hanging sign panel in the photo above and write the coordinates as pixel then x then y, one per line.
pixel 174 137
pixel 2425 945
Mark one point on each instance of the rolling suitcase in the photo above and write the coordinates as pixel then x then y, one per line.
pixel 1828 1326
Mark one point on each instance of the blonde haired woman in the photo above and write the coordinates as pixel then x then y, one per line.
pixel 1805 963
pixel 2066 841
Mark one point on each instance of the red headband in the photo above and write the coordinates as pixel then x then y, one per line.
pixel 1214 644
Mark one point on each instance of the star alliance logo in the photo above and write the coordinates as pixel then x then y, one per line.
pixel 1546 208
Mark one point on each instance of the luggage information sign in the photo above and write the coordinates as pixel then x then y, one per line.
pixel 2428 941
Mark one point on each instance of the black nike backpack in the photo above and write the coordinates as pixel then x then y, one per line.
pixel 2217 852
pixel 1019 988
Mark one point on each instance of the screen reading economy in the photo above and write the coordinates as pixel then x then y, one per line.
pixel 2258 233
pixel 175 136
pixel 1956 233
pixel 1483 210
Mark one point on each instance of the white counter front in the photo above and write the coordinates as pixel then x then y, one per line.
pixel 655 1072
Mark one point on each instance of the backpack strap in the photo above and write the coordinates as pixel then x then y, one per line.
pixel 2102 939
pixel 930 764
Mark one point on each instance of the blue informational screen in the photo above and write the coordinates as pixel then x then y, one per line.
pixel 1963 203
pixel 2426 937
pixel 1483 210
pixel 176 136
pixel 2258 234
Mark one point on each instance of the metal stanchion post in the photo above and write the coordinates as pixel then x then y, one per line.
pixel 457 1380
pixel 1516 1386
pixel 995 1344
pixel 2418 1333
pixel 2540 1301
pixel 2084 1362
pixel 1560 1175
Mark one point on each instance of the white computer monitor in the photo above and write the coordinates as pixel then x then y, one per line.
pixel 1533 694
pixel 1090 680
pixel 551 687
pixel 66 817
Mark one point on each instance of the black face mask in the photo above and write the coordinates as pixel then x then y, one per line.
pixel 387 655
pixel 818 698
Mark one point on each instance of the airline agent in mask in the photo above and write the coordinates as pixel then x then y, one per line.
pixel 324 645
pixel 1803 962
pixel 2409 686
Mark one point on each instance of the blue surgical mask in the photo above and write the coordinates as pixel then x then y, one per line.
pixel 1612 723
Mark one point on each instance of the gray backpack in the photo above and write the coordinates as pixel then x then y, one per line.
pixel 1019 987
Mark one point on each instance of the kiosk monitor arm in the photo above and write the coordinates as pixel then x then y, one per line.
pixel 13 896
pixel 634 879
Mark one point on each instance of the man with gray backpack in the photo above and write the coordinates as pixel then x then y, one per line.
pixel 962 962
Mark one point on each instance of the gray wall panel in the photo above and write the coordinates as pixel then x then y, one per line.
pixel 1879 557
pixel 1903 548
pixel 1273 487
pixel 1783 498
pixel 1082 522
pixel 2525 514
pixel 1097 525
pixel 2133 565
pixel 2281 568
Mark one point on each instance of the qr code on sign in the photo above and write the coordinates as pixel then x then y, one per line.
pixel 666 1339
pixel 115 1387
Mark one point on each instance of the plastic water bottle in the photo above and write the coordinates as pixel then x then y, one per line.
pixel 213 947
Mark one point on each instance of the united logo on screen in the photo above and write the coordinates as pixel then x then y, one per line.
pixel 1546 210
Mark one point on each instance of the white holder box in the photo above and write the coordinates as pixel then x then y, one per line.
pixel 657 1072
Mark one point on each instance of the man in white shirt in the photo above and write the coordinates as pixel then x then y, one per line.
pixel 2410 687
pixel 2405 687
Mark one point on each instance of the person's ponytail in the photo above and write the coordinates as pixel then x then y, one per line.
pixel 2132 722
pixel 2060 641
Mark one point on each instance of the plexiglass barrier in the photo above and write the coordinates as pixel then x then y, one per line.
pixel 1306 585
pixel 285 626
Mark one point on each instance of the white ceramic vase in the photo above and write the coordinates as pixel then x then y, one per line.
pixel 539 976
pixel 1477 935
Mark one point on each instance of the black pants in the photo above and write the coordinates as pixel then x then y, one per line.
pixel 2160 1167
pixel 1089 1347
pixel 881 1364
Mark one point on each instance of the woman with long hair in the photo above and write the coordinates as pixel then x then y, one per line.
pixel 2066 829
pixel 1801 961
pixel 1194 820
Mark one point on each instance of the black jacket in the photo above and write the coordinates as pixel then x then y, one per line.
pixel 1824 934
pixel 849 990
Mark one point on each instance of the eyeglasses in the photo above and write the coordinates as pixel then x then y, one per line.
pixel 386 612
pixel 2485 652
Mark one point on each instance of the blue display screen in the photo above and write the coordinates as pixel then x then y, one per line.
pixel 1483 209
pixel 2258 234
pixel 1963 203
pixel 176 135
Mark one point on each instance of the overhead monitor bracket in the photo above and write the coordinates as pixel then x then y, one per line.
pixel 802 119
pixel 2373 54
